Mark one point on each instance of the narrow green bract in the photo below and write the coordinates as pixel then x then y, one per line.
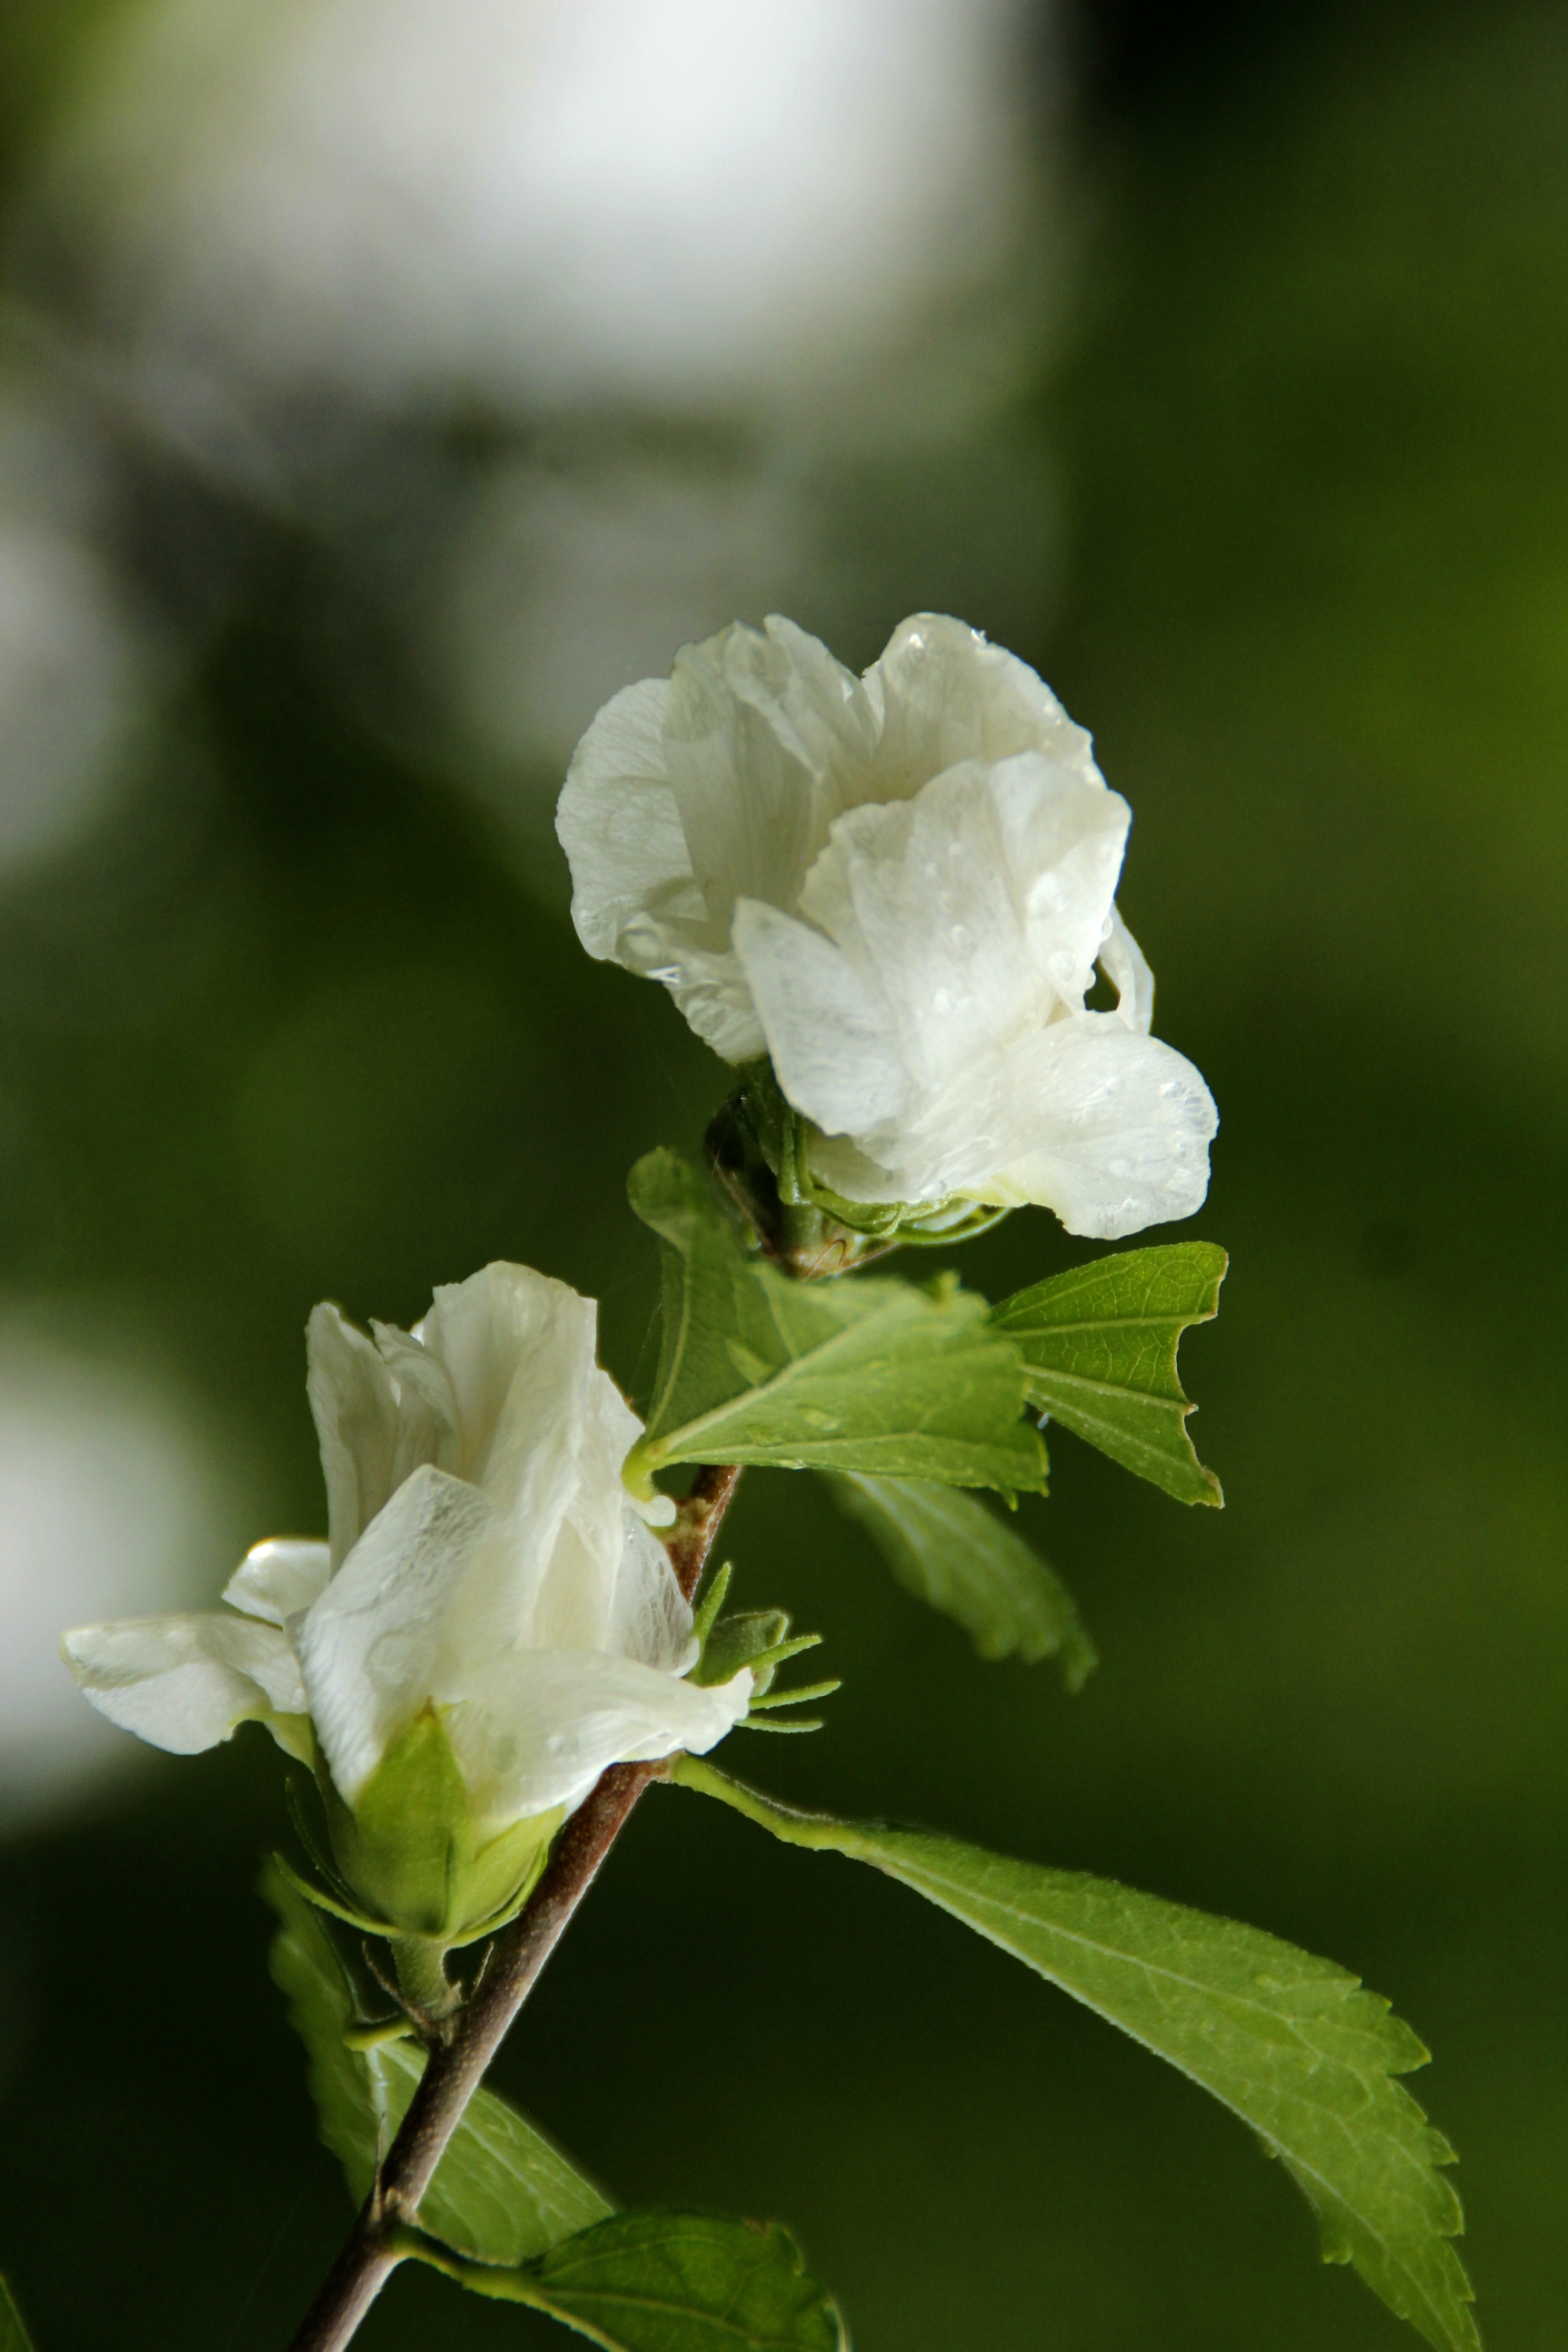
pixel 1100 1347
pixel 14 2337
pixel 1291 2044
pixel 953 1552
pixel 501 2192
pixel 874 1375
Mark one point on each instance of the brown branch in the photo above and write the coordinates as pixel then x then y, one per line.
pixel 455 2070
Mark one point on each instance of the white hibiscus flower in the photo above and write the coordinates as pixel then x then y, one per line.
pixel 486 1571
pixel 897 887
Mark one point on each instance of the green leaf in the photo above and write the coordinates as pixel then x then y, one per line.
pixel 872 1374
pixel 671 2283
pixel 953 1552
pixel 14 2337
pixel 1100 1347
pixel 501 2192
pixel 1292 2044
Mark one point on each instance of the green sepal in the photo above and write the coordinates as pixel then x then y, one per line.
pixel 708 1606
pixel 767 1663
pixel 760 1147
pixel 296 1735
pixel 322 1901
pixel 300 1793
pixel 760 1638
pixel 747 1638
pixel 757 1638
pixel 410 1851
pixel 799 1698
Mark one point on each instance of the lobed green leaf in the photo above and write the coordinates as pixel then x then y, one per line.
pixel 1292 2044
pixel 1100 1347
pixel 660 2282
pixel 14 2337
pixel 874 1375
pixel 501 2192
pixel 951 1551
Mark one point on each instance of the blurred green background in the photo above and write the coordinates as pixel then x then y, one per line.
pixel 1279 501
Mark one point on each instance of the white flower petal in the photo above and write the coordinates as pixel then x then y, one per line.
pixel 824 708
pixel 708 985
pixel 848 1170
pixel 578 1602
pixel 183 1682
pixel 962 899
pixel 619 826
pixel 750 727
pixel 1127 969
pixel 968 911
pixel 1115 1133
pixel 279 1578
pixel 650 1621
pixel 513 1344
pixel 538 1727
pixel 530 1401
pixel 634 899
pixel 945 694
pixel 387 1633
pixel 833 1042
pixel 1062 843
pixel 962 918
pixel 426 1408
pixel 747 751
pixel 355 1409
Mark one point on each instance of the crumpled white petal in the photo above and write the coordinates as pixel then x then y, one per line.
pixel 536 1727
pixel 354 1405
pixel 945 694
pixel 279 1578
pixel 542 1432
pixel 1108 1129
pixel 619 823
pixel 830 1031
pixel 388 1633
pixel 1127 969
pixel 649 1618
pixel 1117 1129
pixel 184 1683
pixel 973 911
